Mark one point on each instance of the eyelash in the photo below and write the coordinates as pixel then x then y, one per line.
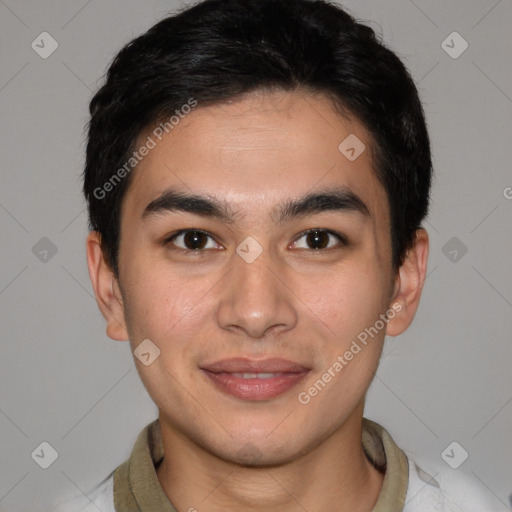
pixel 168 240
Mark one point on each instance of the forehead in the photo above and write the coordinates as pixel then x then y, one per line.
pixel 255 151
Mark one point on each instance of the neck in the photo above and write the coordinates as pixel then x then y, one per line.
pixel 335 475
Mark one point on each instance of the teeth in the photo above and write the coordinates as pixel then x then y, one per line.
pixel 256 375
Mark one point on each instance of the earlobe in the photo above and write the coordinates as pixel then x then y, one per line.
pixel 106 289
pixel 409 285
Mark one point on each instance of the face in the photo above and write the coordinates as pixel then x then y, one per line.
pixel 285 255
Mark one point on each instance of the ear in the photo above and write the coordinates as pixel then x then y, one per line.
pixel 409 285
pixel 106 289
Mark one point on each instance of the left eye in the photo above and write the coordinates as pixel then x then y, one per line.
pixel 319 239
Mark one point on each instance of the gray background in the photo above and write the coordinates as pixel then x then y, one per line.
pixel 448 378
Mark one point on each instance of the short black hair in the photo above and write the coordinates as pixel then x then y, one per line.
pixel 219 50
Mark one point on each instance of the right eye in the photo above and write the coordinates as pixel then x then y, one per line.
pixel 190 240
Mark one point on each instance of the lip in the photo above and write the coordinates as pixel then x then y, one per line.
pixel 245 365
pixel 221 375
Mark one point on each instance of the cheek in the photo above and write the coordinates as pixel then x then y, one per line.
pixel 348 301
pixel 160 300
pixel 172 310
pixel 351 307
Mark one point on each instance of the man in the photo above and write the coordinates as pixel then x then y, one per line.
pixel 257 173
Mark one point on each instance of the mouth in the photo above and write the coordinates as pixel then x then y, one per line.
pixel 255 379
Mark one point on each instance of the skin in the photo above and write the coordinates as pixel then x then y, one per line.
pixel 296 302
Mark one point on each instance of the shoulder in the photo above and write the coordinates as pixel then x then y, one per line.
pixel 433 487
pixel 100 497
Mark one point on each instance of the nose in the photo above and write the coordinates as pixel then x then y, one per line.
pixel 256 298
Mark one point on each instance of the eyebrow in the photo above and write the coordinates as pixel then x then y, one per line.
pixel 339 199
